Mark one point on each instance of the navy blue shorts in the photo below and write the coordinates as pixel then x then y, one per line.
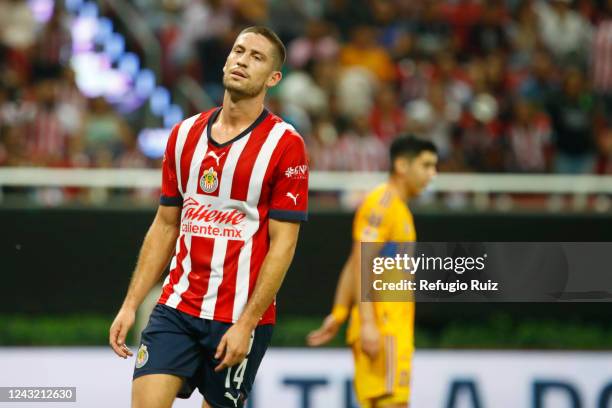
pixel 183 345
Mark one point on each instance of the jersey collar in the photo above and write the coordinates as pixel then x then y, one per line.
pixel 213 117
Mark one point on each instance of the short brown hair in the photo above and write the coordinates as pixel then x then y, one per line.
pixel 281 52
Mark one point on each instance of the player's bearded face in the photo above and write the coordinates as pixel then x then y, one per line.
pixel 249 88
pixel 249 67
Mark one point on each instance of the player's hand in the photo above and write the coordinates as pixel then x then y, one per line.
pixel 325 333
pixel 370 339
pixel 233 347
pixel 119 330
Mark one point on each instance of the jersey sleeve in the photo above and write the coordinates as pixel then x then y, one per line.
pixel 289 198
pixel 170 193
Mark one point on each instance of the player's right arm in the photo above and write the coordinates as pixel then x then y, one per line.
pixel 157 248
pixel 343 301
pixel 155 254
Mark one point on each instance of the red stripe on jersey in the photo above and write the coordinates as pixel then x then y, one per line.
pixel 213 155
pixel 244 168
pixel 176 273
pixel 170 154
pixel 169 183
pixel 224 307
pixel 201 255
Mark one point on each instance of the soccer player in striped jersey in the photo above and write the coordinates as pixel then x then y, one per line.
pixel 234 191
pixel 381 334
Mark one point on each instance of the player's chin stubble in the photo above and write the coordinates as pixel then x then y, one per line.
pixel 248 91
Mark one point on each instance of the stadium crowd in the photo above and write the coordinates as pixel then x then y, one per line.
pixel 497 85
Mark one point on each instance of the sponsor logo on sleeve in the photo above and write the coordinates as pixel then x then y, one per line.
pixel 293 197
pixel 297 172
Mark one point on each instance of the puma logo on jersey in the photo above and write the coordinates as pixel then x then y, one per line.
pixel 293 197
pixel 214 156
pixel 232 398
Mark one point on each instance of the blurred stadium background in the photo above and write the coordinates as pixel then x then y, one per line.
pixel 516 94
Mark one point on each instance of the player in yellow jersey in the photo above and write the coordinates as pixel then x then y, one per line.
pixel 381 334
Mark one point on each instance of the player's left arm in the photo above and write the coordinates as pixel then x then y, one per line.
pixel 288 206
pixel 234 344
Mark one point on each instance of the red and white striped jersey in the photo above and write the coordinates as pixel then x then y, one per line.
pixel 47 136
pixel 228 192
pixel 602 57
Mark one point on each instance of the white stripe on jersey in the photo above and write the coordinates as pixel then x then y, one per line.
pixel 262 161
pixel 183 131
pixel 196 163
pixel 225 189
pixel 242 279
pixel 181 286
pixel 216 276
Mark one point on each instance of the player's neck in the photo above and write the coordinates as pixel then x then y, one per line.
pixel 240 113
pixel 399 189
